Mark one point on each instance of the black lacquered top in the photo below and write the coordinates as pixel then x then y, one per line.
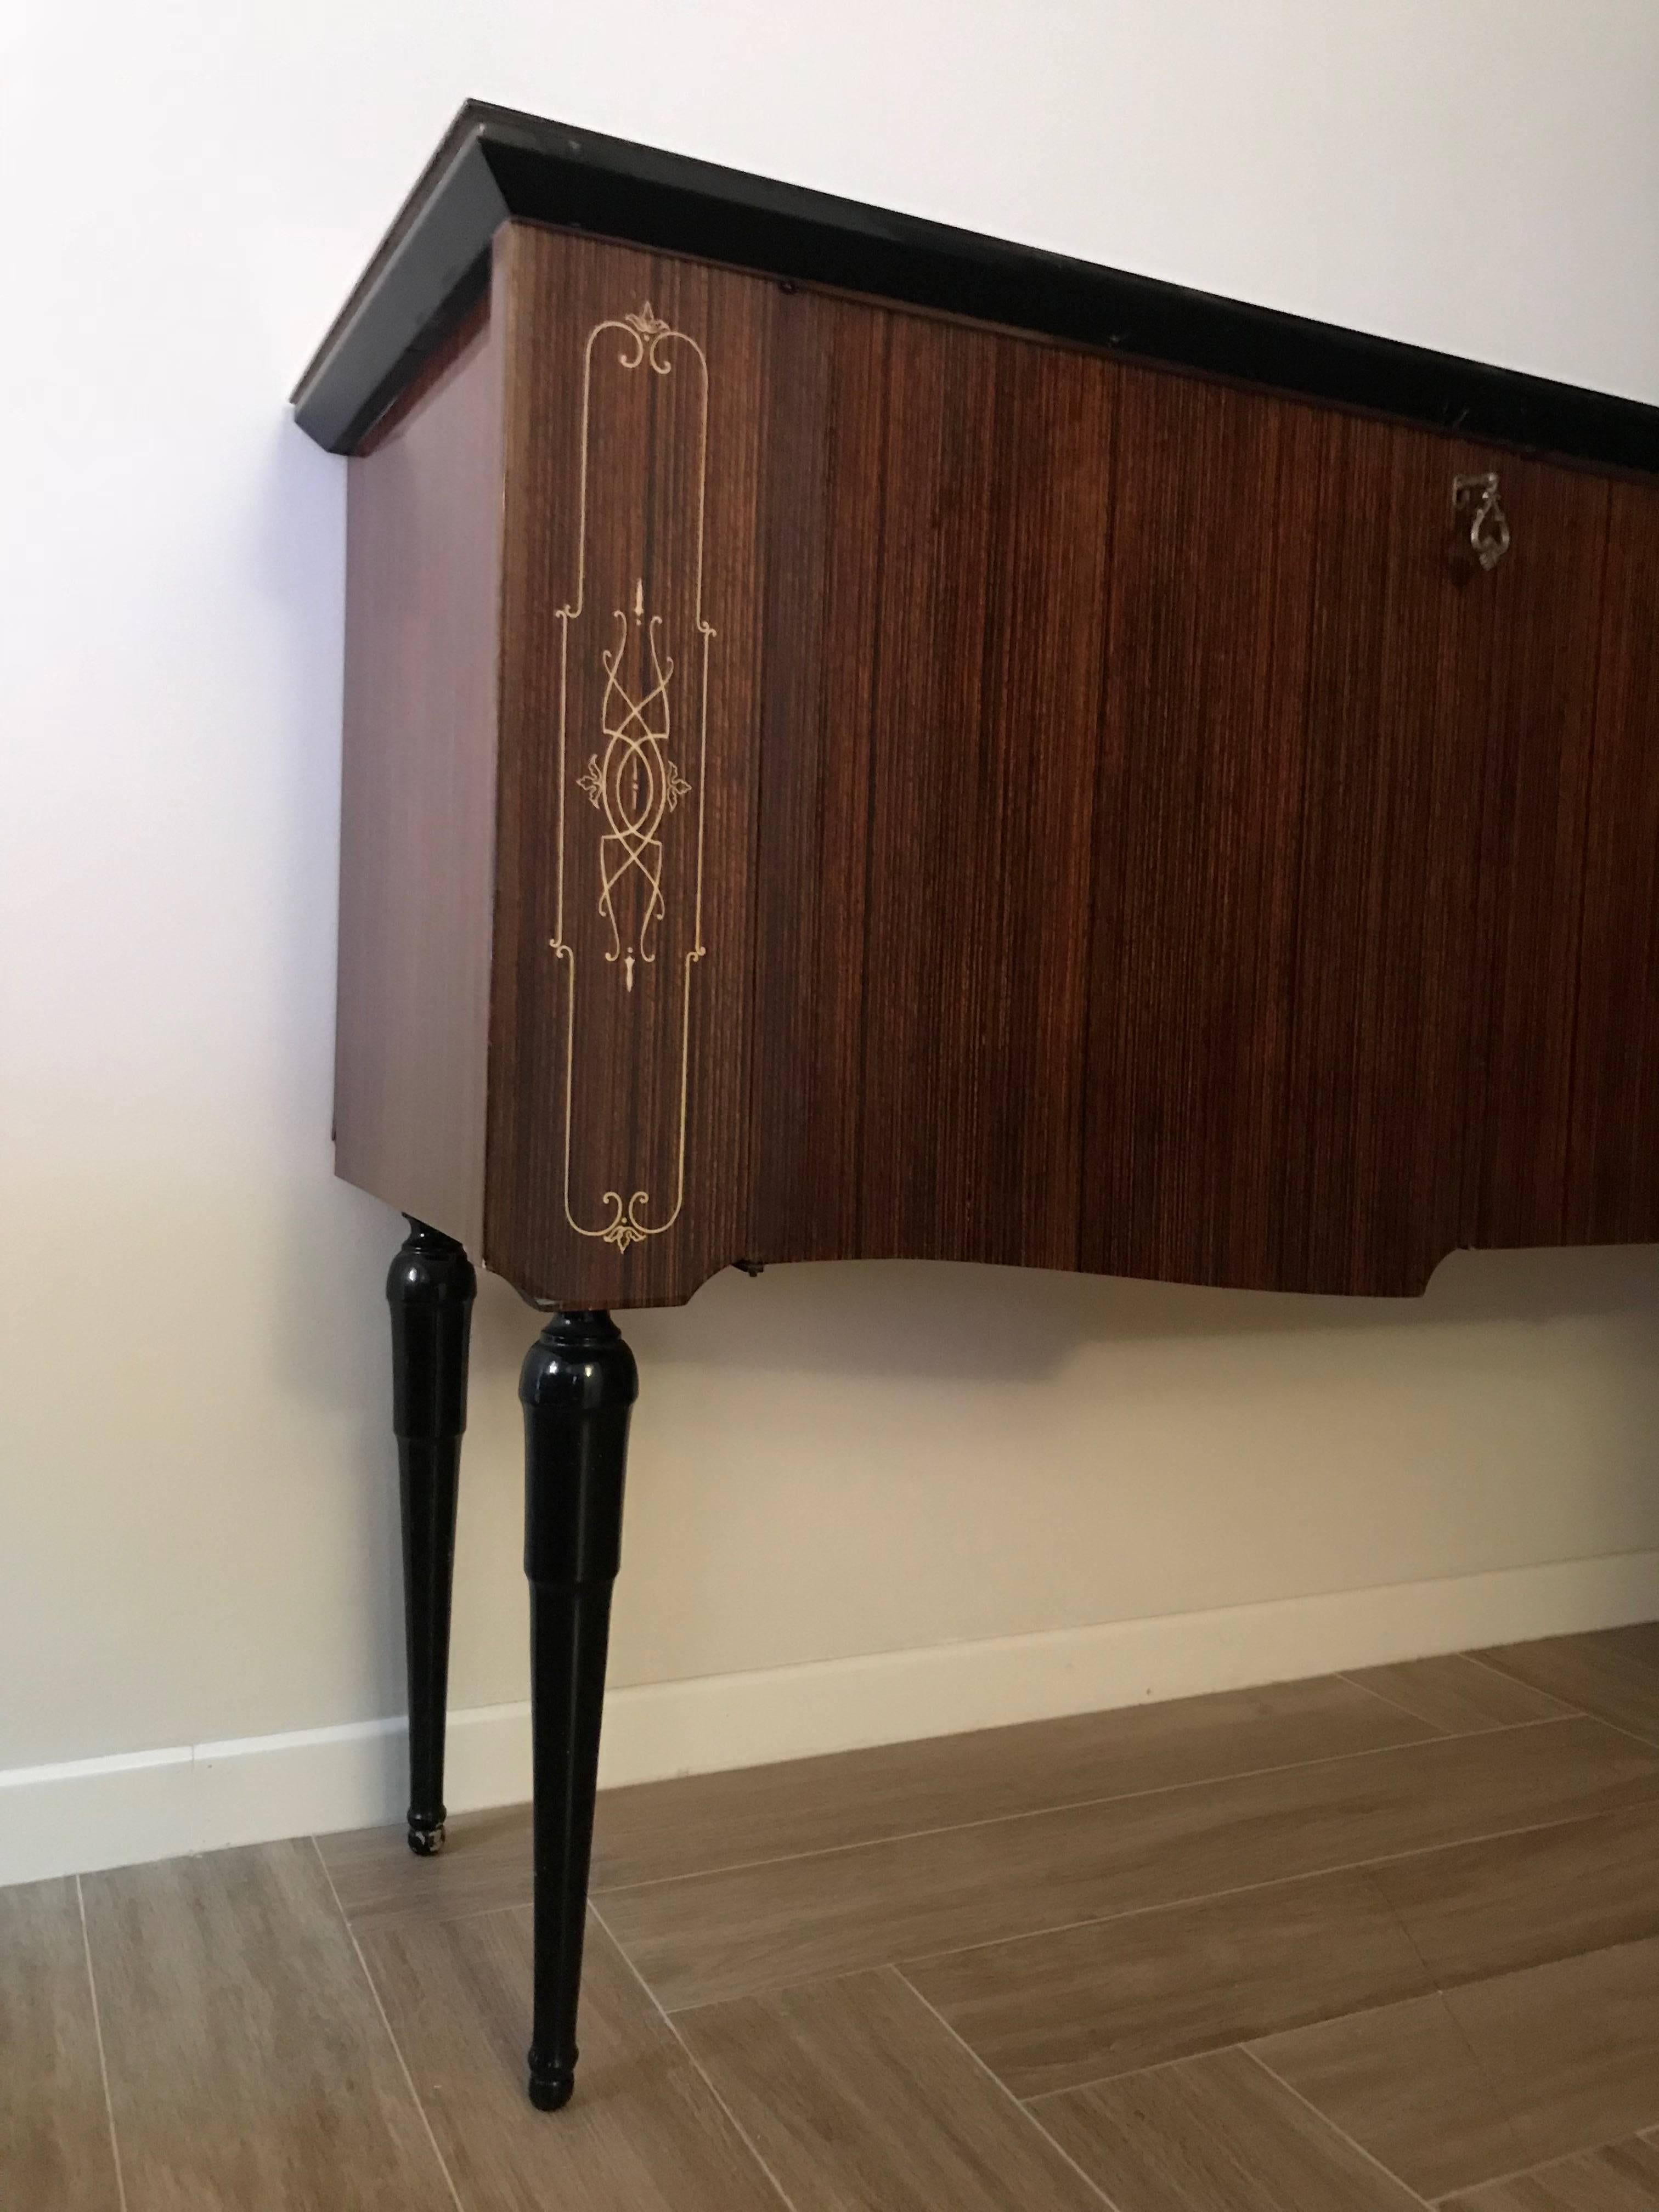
pixel 495 163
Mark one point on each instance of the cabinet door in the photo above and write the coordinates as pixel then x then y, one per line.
pixel 1286 869
pixel 1215 506
pixel 1443 864
pixel 1613 1180
pixel 1540 681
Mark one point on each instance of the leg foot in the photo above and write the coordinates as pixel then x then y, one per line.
pixel 430 1290
pixel 551 2091
pixel 578 1387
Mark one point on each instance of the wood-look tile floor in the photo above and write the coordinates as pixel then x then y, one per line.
pixel 1352 1944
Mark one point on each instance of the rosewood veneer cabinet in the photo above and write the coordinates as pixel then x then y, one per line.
pixel 863 740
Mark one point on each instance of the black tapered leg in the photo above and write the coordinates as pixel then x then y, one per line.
pixel 578 1385
pixel 430 1289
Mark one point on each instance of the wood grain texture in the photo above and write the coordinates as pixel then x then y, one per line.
pixel 1537 709
pixel 1111 1995
pixel 56 2154
pixel 1622 2176
pixel 1404 2082
pixel 934 666
pixel 1495 2076
pixel 854 2095
pixel 632 490
pixel 1055 2011
pixel 697 1823
pixel 1212 521
pixel 1116 832
pixel 1215 2134
pixel 1613 1180
pixel 1457 1694
pixel 1505 1902
pixel 659 1829
pixel 1572 2047
pixel 644 2133
pixel 722 1935
pixel 824 498
pixel 248 2062
pixel 1286 865
pixel 485 1866
pixel 418 794
pixel 1386 994
pixel 1613 1672
pixel 989 664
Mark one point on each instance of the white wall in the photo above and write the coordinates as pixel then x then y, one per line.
pixel 196 1503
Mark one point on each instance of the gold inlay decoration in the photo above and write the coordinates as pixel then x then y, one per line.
pixel 633 784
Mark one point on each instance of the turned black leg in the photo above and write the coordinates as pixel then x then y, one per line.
pixel 577 1385
pixel 430 1289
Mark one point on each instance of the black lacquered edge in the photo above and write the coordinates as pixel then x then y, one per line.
pixel 495 163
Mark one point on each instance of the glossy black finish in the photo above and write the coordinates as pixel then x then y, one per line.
pixel 495 163
pixel 578 1387
pixel 430 1290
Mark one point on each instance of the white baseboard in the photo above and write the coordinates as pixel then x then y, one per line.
pixel 93 1813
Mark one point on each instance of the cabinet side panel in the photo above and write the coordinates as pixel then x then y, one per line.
pixel 418 796
pixel 1612 1190
pixel 618 1137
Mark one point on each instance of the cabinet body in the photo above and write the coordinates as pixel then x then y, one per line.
pixel 824 779
pixel 845 758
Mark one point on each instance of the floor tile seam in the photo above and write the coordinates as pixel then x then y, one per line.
pixel 1325 2118
pixel 1248 1888
pixel 1240 2048
pixel 415 2097
pixel 696 2065
pixel 1578 1712
pixel 1621 1727
pixel 906 1960
pixel 1252 2042
pixel 1134 2073
pixel 426 1915
pixel 103 2059
pixel 1219 2049
pixel 1646 2136
pixel 1504 1674
pixel 1026 2115
pixel 1442 1990
pixel 1515 2119
pixel 1487 1728
pixel 1438 1987
pixel 1087 1804
pixel 1040 1812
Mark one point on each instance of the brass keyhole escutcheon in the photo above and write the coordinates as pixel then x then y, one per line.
pixel 1476 497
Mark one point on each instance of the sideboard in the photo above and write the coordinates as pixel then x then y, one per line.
pixel 862 740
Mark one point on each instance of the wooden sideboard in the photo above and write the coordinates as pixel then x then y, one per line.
pixel 864 741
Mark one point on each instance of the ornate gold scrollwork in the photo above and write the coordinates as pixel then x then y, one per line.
pixel 633 783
